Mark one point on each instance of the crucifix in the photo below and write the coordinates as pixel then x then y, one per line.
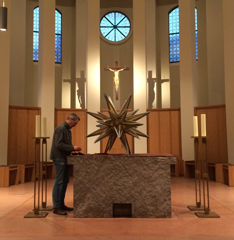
pixel 116 71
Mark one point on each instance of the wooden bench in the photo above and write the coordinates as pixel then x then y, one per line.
pixel 189 169
pixel 27 172
pixel 228 174
pixel 9 175
pixel 215 171
pixel 49 171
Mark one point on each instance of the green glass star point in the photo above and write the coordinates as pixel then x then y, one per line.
pixel 117 124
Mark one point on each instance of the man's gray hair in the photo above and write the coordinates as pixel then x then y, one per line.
pixel 73 116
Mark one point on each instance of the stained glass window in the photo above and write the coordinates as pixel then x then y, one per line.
pixel 115 26
pixel 35 33
pixel 58 35
pixel 174 35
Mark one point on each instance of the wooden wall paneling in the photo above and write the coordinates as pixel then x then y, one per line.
pixel 117 147
pixel 165 132
pixel 175 133
pixel 22 136
pixel 21 130
pixel 223 157
pixel 176 141
pixel 31 134
pixel 213 135
pixel 153 132
pixel 80 131
pixel 12 133
pixel 216 132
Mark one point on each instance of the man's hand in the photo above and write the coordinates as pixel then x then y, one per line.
pixel 77 148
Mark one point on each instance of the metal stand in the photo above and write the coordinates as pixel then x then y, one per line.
pixel 205 181
pixel 198 206
pixel 37 182
pixel 44 177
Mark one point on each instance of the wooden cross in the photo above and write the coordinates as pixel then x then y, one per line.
pixel 77 88
pixel 159 83
pixel 72 86
pixel 116 71
pixel 151 90
pixel 81 89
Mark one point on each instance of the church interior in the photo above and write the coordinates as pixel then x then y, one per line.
pixel 173 57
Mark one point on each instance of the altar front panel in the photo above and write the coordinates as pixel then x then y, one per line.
pixel 101 181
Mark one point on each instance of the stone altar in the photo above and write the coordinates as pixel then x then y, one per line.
pixel 143 181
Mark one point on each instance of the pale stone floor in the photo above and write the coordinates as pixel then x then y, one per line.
pixel 16 201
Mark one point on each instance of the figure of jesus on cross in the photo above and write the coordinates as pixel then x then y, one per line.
pixel 116 71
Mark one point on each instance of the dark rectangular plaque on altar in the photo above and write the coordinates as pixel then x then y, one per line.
pixel 141 180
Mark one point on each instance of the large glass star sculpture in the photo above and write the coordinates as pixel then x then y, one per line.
pixel 117 124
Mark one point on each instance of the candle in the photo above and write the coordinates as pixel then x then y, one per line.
pixel 38 126
pixel 203 125
pixel 195 126
pixel 44 127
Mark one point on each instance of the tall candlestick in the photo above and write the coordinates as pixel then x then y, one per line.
pixel 44 127
pixel 195 126
pixel 203 125
pixel 38 126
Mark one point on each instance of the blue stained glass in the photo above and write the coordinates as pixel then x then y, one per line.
pixel 174 44
pixel 58 22
pixel 58 35
pixel 35 46
pixel 106 31
pixel 124 23
pixel 119 18
pixel 174 21
pixel 111 17
pixel 195 19
pixel 115 26
pixel 105 22
pixel 196 33
pixel 36 19
pixel 58 42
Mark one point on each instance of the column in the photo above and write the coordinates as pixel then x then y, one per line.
pixel 4 89
pixel 202 88
pixel 46 64
pixel 139 69
pixel 151 48
pixel 188 86
pixel 81 10
pixel 215 52
pixel 228 17
pixel 18 53
pixel 93 70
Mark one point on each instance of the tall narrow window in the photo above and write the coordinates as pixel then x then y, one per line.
pixel 174 35
pixel 58 35
pixel 196 33
pixel 35 33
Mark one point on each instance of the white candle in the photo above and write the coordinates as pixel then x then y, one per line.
pixel 38 126
pixel 203 125
pixel 44 127
pixel 195 126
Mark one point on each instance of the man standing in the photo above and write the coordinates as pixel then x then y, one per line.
pixel 60 149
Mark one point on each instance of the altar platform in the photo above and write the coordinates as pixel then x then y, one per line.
pixel 119 185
